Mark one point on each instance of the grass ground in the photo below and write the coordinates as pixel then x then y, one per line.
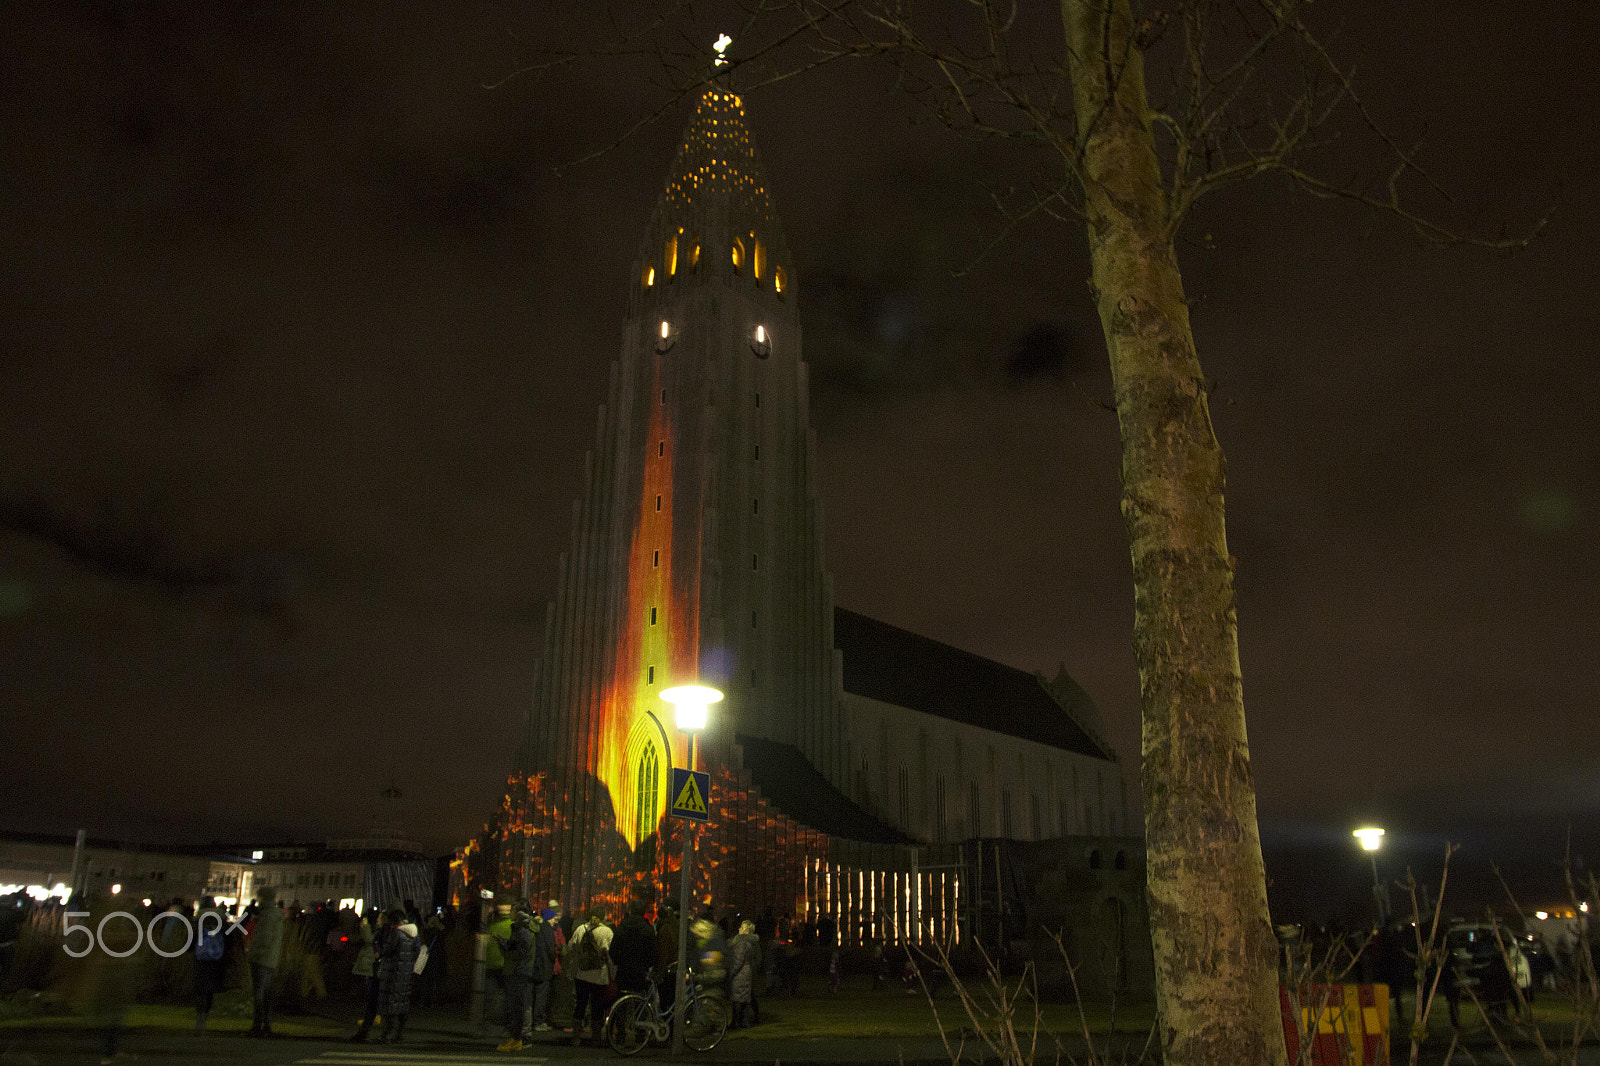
pixel 858 1011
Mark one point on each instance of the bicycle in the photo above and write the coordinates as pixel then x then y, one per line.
pixel 636 1019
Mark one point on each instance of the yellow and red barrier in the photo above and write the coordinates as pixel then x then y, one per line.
pixel 1336 1025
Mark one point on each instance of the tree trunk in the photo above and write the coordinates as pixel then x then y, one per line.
pixel 1215 954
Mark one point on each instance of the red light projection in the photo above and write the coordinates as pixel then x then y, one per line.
pixel 658 642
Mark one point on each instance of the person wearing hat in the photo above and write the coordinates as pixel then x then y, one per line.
pixel 395 969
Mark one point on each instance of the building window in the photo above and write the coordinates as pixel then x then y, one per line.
pixel 658 502
pixel 652 616
pixel 694 260
pixel 647 791
pixel 1120 861
pixel 663 396
pixel 655 559
pixel 755 506
pixel 752 678
pixel 736 253
pixel 939 827
pixel 758 399
pixel 1094 859
pixel 752 619
pixel 661 447
pixel 755 562
pixel 649 675
pixel 758 453
pixel 671 256
pixel 1005 813
pixel 778 281
pixel 649 276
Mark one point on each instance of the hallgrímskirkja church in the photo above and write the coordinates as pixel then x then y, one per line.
pixel 902 788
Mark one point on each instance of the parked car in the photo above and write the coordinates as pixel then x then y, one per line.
pixel 1477 946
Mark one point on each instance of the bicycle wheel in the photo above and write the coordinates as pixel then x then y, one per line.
pixel 628 1024
pixel 707 1022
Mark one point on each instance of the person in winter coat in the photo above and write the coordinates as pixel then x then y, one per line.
pixel 708 955
pixel 544 966
pixel 516 949
pixel 210 959
pixel 589 960
pixel 264 953
pixel 366 968
pixel 744 963
pixel 633 950
pixel 395 963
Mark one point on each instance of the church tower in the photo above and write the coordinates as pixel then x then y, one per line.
pixel 697 546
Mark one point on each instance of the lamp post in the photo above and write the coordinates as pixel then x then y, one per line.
pixel 1371 838
pixel 690 704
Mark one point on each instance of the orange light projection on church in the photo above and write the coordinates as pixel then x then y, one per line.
pixel 658 639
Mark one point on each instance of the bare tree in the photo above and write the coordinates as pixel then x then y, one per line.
pixel 1251 90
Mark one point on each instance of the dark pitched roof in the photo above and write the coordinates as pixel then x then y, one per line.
pixel 883 662
pixel 798 789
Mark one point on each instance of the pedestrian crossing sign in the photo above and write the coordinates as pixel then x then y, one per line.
pixel 691 795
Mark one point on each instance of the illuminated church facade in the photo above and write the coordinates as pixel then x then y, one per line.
pixel 861 773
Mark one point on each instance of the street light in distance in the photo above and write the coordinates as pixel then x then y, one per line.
pixel 1371 838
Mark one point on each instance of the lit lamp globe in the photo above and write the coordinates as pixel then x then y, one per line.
pixel 690 705
pixel 1371 838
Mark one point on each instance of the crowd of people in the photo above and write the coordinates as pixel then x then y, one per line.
pixel 533 951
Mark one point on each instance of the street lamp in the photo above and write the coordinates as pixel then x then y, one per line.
pixel 1371 838
pixel 691 710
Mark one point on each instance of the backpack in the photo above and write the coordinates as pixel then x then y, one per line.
pixel 583 953
pixel 208 946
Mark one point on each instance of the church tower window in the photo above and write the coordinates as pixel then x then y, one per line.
pixel 737 255
pixel 649 277
pixel 647 791
pixel 778 284
pixel 670 258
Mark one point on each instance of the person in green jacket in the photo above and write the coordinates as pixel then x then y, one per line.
pixel 266 949
pixel 494 960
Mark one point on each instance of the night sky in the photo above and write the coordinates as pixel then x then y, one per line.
pixel 305 332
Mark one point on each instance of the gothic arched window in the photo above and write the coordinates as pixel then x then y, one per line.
pixel 647 791
pixel 737 255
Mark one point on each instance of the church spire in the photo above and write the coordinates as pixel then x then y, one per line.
pixel 715 215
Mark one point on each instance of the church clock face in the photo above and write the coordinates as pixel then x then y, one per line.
pixel 761 342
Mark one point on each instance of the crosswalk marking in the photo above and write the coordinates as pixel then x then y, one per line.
pixel 409 1058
